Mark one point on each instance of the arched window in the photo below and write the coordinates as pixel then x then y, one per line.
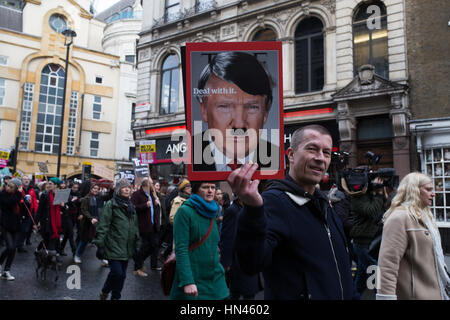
pixel 370 38
pixel 265 35
pixel 170 76
pixel 51 98
pixel 309 56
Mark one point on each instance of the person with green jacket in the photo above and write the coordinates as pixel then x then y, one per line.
pixel 117 238
pixel 199 273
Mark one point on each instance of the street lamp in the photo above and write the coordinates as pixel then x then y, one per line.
pixel 69 34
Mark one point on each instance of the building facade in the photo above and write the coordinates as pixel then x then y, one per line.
pixel 429 66
pixel 123 23
pixel 344 66
pixel 32 72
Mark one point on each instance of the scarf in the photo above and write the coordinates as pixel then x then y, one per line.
pixel 55 217
pixel 442 275
pixel 184 195
pixel 205 208
pixel 124 203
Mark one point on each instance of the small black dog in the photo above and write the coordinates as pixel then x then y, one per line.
pixel 45 261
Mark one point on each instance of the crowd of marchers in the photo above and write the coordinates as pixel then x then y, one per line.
pixel 286 237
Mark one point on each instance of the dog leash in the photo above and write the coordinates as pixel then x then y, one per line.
pixel 34 223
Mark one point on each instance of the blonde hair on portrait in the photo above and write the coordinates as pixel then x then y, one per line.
pixel 408 197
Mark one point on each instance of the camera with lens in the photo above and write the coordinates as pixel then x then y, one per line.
pixel 360 180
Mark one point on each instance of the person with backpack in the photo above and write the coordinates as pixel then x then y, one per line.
pixel 199 273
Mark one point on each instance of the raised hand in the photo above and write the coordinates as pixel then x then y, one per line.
pixel 245 188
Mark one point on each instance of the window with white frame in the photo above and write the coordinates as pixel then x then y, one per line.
pixel 71 133
pixel 25 123
pixel 3 60
pixel 97 108
pixel 94 144
pixel 2 91
pixel 99 79
pixel 51 95
pixel 437 162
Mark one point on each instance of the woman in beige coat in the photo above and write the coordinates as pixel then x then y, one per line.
pixel 411 262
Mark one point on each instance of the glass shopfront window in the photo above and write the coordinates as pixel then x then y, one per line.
pixel 437 163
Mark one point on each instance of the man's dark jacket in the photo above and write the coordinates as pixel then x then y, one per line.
pixel 367 209
pixel 139 200
pixel 301 247
pixel 239 281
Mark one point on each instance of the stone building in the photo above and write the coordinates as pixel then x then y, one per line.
pixel 32 74
pixel 344 66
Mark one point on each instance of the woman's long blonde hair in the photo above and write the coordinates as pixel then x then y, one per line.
pixel 408 197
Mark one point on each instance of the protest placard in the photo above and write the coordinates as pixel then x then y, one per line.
pixel 43 167
pixel 234 108
pixel 147 151
pixel 61 196
pixel 4 156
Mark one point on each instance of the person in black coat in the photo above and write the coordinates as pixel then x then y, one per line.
pixel 240 284
pixel 10 200
pixel 148 210
pixel 290 232
pixel 69 218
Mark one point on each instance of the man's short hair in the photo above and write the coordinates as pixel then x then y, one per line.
pixel 242 69
pixel 297 136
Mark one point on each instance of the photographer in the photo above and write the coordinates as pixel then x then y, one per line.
pixel 367 209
